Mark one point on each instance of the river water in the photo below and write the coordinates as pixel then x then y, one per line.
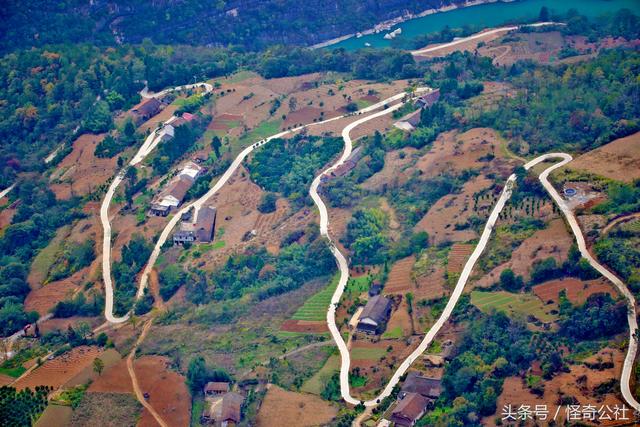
pixel 489 15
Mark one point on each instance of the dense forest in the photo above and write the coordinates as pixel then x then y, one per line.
pixel 247 23
pixel 37 218
pixel 575 107
pixel 289 166
pixel 50 94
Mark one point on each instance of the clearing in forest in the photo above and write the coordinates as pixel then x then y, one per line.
pixel 512 304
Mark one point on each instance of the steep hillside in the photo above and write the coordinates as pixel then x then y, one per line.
pixel 248 23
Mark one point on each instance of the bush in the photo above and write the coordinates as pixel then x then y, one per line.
pixel 171 278
pixel 268 203
pixel 79 306
pixel 509 281
pixel 543 270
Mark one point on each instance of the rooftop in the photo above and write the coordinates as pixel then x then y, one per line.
pixel 376 309
pixel 411 407
pixel 415 383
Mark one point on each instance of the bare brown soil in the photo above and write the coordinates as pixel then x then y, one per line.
pixel 168 393
pixel 579 383
pixel 453 151
pixel 63 324
pixel 5 380
pixel 458 256
pixel 619 160
pixel 440 220
pixel 224 121
pixel 400 280
pixel 539 47
pixel 400 318
pixel 6 215
pixel 305 409
pixel 577 290
pixel 113 380
pixel 395 172
pixel 303 116
pixel 45 298
pixel 58 371
pixel 81 172
pixel 125 226
pixel 553 241
pixel 431 285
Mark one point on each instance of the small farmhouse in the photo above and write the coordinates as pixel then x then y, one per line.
pixel 430 388
pixel 167 133
pixel 174 193
pixel 349 163
pixel 409 410
pixel 373 319
pixel 216 388
pixel 201 231
pixel 223 410
pixel 146 110
pixel 428 99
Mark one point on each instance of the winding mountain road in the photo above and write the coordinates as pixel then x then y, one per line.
pixel 342 262
pixel 627 367
pixel 230 171
pixel 6 191
pixel 464 276
pixel 145 149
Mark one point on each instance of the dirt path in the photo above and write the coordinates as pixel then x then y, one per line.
pixel 134 379
pixel 619 220
pixel 479 36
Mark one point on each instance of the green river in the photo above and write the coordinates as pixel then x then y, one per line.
pixel 489 15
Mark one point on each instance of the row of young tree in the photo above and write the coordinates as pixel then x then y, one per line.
pixel 495 346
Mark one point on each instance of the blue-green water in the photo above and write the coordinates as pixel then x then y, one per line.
pixel 490 15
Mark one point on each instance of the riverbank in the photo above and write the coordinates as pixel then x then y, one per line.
pixel 479 16
pixel 388 24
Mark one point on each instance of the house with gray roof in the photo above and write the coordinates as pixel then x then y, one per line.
pixel 375 315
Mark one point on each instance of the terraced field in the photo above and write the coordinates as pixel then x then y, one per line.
pixel 316 383
pixel 512 304
pixel 458 257
pixel 58 371
pixel 315 308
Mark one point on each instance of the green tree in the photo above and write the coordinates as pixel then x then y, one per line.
pixel 196 374
pixel 98 365
pixel 115 100
pixel 544 14
pixel 216 143
pixel 171 278
pixel 509 281
pixel 268 203
pixel 98 118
